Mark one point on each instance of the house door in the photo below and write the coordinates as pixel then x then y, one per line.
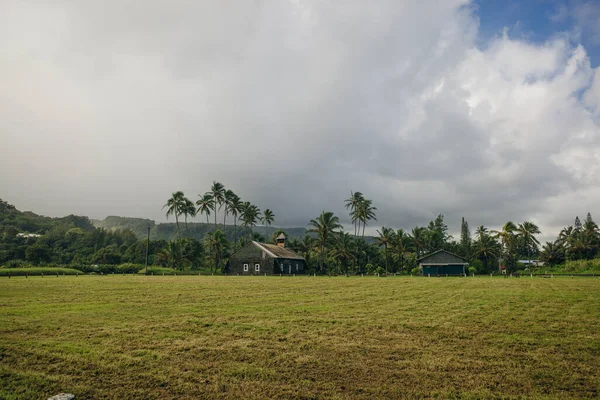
pixel 290 269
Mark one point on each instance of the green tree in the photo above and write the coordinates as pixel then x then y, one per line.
pixel 486 247
pixel 526 236
pixel 507 242
pixel 366 212
pixel 342 250
pixel 205 205
pixel 354 203
pixel 216 245
pixel 324 227
pixel 553 253
pixel 465 239
pixel 175 206
pixel 267 219
pixel 400 246
pixel 217 192
pixel 385 239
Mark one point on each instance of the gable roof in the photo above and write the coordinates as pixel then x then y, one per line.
pixel 441 253
pixel 278 251
pixel 272 250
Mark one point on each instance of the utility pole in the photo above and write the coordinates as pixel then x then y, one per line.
pixel 147 248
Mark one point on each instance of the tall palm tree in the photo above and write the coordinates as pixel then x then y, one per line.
pixel 175 206
pixel 268 218
pixel 324 227
pixel 205 205
pixel 217 191
pixel 385 239
pixel 250 215
pixel 228 198
pixel 353 203
pixel 366 212
pixel 235 208
pixel 189 210
pixel 526 232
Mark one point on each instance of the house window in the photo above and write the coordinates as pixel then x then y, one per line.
pixel 257 267
pixel 245 267
pixel 296 267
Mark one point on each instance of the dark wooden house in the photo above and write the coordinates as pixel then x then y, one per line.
pixel 442 262
pixel 261 258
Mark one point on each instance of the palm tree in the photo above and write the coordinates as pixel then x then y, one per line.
pixel 268 218
pixel 189 210
pixel 507 239
pixel 400 245
pixel 250 214
pixel 385 239
pixel 217 192
pixel 526 231
pixel 175 206
pixel 485 246
pixel 216 244
pixel 342 250
pixel 366 212
pixel 324 226
pixel 353 203
pixel 418 239
pixel 553 253
pixel 205 205
pixel 235 207
pixel 228 199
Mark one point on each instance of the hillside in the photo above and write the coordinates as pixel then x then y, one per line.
pixel 168 231
pixel 26 221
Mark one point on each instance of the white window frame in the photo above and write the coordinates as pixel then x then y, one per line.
pixel 245 267
pixel 257 267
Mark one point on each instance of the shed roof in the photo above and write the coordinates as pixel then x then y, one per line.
pixel 441 257
pixel 278 251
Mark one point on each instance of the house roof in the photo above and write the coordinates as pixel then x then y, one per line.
pixel 281 236
pixel 278 251
pixel 440 253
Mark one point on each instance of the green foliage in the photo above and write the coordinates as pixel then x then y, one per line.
pixel 153 270
pixel 416 271
pixel 38 271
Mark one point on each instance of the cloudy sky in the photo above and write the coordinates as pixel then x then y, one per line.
pixel 488 110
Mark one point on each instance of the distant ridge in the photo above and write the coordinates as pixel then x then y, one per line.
pixel 196 230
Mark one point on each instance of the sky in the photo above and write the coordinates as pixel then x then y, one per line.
pixel 488 110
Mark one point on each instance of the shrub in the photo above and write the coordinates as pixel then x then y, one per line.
pixel 416 271
pixel 14 264
pixel 472 270
pixel 38 271
pixel 370 268
pixel 158 271
pixel 380 271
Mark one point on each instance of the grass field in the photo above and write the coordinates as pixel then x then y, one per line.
pixel 187 337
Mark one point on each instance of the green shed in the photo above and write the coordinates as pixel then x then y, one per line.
pixel 441 263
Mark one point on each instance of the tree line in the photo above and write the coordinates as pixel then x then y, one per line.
pixel 327 246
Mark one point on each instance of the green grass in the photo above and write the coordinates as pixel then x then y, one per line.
pixel 32 271
pixel 188 337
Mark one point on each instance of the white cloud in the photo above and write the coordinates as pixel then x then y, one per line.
pixel 293 104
